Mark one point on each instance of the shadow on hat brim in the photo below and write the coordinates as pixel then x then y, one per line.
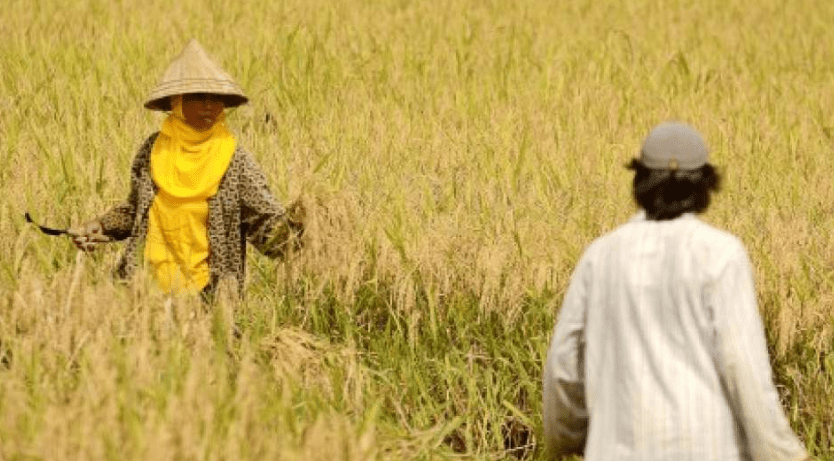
pixel 164 103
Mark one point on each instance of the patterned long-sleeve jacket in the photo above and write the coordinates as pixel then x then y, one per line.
pixel 242 210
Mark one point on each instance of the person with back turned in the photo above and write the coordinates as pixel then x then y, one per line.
pixel 659 350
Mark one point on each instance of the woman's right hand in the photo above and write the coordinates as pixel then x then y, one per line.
pixel 87 236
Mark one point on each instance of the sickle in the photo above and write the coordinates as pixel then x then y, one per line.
pixel 44 229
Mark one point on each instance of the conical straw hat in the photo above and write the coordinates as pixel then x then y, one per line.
pixel 194 71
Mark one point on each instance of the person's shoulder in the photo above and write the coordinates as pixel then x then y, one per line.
pixel 149 141
pixel 613 236
pixel 710 236
pixel 601 245
pixel 146 146
pixel 143 153
pixel 243 163
pixel 690 230
pixel 242 155
pixel 716 248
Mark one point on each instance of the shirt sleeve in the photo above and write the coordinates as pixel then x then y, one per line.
pixel 117 222
pixel 742 361
pixel 268 226
pixel 565 417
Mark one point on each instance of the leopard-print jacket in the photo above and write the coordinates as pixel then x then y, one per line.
pixel 242 210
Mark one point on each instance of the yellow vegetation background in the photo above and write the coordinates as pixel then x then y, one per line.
pixel 456 157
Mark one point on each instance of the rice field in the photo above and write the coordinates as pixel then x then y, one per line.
pixel 455 158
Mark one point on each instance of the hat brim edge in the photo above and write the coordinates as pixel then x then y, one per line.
pixel 163 103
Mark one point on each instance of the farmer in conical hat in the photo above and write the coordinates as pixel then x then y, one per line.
pixel 659 351
pixel 196 197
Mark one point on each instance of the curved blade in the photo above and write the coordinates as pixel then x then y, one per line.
pixel 44 229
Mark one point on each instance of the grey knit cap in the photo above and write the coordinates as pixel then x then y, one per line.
pixel 674 146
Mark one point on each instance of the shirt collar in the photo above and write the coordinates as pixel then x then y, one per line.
pixel 641 216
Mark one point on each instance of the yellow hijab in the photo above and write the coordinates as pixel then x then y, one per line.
pixel 187 166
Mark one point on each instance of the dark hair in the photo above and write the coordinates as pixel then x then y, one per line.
pixel 667 194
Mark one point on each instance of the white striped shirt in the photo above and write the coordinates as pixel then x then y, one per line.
pixel 659 352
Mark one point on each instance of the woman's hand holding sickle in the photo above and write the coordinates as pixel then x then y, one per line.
pixel 86 237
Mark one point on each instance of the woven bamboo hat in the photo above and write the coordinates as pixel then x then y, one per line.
pixel 194 71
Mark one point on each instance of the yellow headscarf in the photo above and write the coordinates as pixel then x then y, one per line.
pixel 187 166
